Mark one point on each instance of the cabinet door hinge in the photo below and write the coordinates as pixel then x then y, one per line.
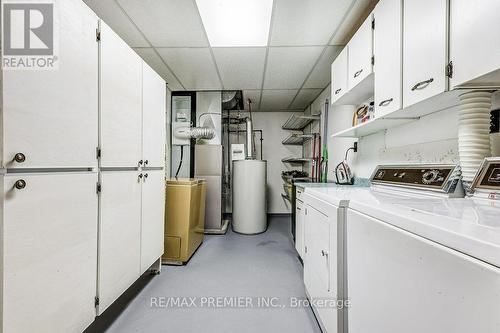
pixel 373 24
pixel 98 152
pixel 373 60
pixel 98 188
pixel 449 69
pixel 305 249
pixel 97 35
pixel 96 301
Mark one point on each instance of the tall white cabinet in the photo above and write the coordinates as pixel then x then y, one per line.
pixel 81 212
pixel 132 182
pixel 49 208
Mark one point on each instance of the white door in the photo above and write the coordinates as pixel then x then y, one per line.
pixel 299 228
pixel 388 51
pixel 474 42
pixel 119 234
pixel 319 273
pixel 49 252
pixel 393 274
pixel 339 75
pixel 154 107
pixel 153 217
pixel 360 54
pixel 120 100
pixel 425 45
pixel 50 116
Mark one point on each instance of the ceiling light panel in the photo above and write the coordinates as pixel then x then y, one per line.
pixel 232 23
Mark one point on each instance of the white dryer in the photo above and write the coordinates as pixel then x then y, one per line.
pixel 418 261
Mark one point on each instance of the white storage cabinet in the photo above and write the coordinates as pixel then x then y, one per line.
pixel 360 54
pixel 339 75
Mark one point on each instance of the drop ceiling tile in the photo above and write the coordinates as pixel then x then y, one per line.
pixel 193 66
pixel 299 22
pixel 305 97
pixel 167 23
pixel 153 59
pixel 276 100
pixel 321 74
pixel 241 68
pixel 288 67
pixel 254 96
pixel 112 14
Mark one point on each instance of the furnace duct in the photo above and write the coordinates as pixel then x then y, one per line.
pixel 473 132
pixel 195 133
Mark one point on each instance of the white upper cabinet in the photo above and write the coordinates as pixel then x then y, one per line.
pixel 360 54
pixel 425 45
pixel 388 56
pixel 121 101
pixel 154 101
pixel 50 116
pixel 474 43
pixel 339 75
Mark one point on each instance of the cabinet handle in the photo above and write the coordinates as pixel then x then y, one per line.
pixel 140 162
pixel 386 102
pixel 140 176
pixel 324 253
pixel 337 91
pixel 20 184
pixel 146 162
pixel 19 158
pixel 145 176
pixel 422 84
pixel 358 73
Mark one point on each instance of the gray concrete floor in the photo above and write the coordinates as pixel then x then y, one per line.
pixel 231 267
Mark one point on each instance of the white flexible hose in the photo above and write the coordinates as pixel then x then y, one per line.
pixel 473 132
pixel 195 133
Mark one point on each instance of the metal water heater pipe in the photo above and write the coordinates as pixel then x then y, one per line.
pixel 249 139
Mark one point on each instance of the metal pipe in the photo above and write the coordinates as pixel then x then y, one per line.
pixel 261 139
pixel 249 139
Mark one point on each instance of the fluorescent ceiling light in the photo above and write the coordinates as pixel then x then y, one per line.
pixel 236 22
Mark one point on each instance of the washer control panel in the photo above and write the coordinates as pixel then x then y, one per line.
pixel 443 178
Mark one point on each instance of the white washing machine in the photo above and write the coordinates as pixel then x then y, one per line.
pixel 419 261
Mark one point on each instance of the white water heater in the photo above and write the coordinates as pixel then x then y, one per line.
pixel 249 196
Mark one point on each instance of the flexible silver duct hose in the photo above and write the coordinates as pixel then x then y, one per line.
pixel 473 132
pixel 195 133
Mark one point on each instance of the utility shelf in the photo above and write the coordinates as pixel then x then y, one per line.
pixel 297 160
pixel 298 122
pixel 434 104
pixel 297 139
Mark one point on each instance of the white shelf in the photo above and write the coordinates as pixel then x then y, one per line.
pixel 298 122
pixel 297 139
pixel 434 104
pixel 359 93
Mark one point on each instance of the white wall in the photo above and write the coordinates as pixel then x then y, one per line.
pixel 273 151
pixel 431 139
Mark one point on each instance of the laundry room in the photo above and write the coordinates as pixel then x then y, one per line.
pixel 309 166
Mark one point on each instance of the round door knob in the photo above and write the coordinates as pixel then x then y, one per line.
pixel 140 162
pixel 19 158
pixel 140 175
pixel 146 162
pixel 145 175
pixel 20 184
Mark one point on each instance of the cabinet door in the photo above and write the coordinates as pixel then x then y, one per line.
pixel 402 272
pixel 50 116
pixel 49 252
pixel 388 53
pixel 299 229
pixel 154 102
pixel 474 47
pixel 153 217
pixel 119 234
pixel 425 45
pixel 360 54
pixel 121 101
pixel 339 75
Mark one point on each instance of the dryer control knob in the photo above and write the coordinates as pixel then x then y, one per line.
pixel 430 177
